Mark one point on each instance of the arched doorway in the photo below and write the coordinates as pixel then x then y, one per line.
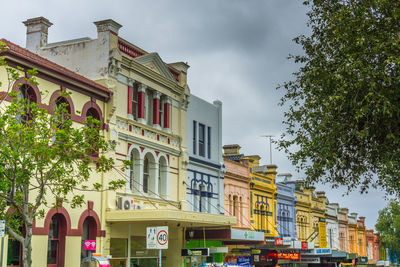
pixel 89 232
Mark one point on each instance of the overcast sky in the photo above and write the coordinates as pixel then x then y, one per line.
pixel 237 51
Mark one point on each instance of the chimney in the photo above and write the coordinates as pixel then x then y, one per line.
pixel 36 33
pixel 105 27
pixel 230 150
pixel 362 218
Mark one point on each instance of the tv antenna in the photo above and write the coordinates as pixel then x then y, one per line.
pixel 270 145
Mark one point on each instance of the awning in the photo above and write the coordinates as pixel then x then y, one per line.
pixel 185 218
pixel 227 236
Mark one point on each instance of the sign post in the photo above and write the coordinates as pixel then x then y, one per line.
pixel 157 238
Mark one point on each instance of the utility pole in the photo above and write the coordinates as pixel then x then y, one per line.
pixel 270 146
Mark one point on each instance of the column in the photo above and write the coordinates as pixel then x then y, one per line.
pixel 141 103
pixel 130 98
pixel 156 109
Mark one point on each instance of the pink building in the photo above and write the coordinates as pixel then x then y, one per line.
pixel 237 192
pixel 343 229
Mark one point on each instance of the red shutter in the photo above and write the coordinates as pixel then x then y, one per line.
pixel 166 114
pixel 130 94
pixel 156 110
pixel 141 100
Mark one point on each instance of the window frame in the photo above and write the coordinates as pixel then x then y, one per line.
pixel 201 141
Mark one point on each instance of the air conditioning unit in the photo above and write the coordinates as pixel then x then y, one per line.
pixel 125 203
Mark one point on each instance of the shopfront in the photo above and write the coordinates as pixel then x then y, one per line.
pixel 128 235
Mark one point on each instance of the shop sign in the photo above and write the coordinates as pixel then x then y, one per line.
pixel 338 254
pixel 244 260
pixel 255 251
pixel 297 244
pixel 2 228
pixel 195 252
pixel 214 250
pixel 157 237
pixel 287 241
pixel 89 245
pixel 318 251
pixel 322 233
pixel 307 259
pixel 304 245
pixel 284 256
pixel 278 241
pixel 246 235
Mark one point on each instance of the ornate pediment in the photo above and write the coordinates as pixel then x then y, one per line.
pixel 154 62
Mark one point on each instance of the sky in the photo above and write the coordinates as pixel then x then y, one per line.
pixel 237 51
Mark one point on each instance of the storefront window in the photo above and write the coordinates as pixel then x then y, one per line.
pixel 118 247
pixel 88 233
pixel 13 252
pixel 56 243
pixel 143 257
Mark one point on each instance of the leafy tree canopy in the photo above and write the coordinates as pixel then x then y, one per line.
pixel 388 225
pixel 343 118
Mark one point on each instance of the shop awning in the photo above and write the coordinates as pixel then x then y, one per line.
pixel 227 236
pixel 185 218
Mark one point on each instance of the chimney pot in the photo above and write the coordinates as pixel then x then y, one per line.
pixel 36 33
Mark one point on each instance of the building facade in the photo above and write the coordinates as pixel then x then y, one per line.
pixel 353 233
pixel 205 171
pixel 332 226
pixel 237 193
pixel 147 119
pixel 58 236
pixel 286 209
pixel 343 229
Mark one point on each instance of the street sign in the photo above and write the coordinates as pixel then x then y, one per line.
pixel 2 228
pixel 157 237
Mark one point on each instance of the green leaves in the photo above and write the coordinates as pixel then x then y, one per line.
pixel 388 225
pixel 344 109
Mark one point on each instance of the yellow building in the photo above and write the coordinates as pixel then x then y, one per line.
pixel 57 237
pixel 263 192
pixel 310 218
pixel 353 233
pixel 361 238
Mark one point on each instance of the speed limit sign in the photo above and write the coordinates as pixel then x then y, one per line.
pixel 157 237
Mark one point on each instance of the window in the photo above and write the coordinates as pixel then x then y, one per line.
pixel 13 252
pixel 195 198
pixel 27 94
pixel 161 112
pixel 146 175
pixel 92 113
pixel 194 136
pixel 203 193
pixel 209 142
pixel 56 241
pixel 149 107
pixel 234 206
pixel 201 140
pixel 132 171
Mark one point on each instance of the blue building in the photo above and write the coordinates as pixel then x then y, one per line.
pixel 286 211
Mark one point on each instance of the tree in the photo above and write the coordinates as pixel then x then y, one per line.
pixel 342 122
pixel 45 161
pixel 388 226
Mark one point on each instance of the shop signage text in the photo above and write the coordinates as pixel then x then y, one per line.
pixel 246 235
pixel 195 252
pixel 318 251
pixel 284 256
pixel 322 233
pixel 278 241
pixel 305 259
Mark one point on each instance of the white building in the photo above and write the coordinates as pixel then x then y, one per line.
pixel 332 226
pixel 205 171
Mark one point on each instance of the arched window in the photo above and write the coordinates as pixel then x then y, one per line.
pixel 89 229
pixel 92 113
pixel 163 177
pixel 146 174
pixel 134 170
pixel 209 196
pixel 56 243
pixel 195 197
pixel 27 94
pixel 61 102
pixel 235 206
